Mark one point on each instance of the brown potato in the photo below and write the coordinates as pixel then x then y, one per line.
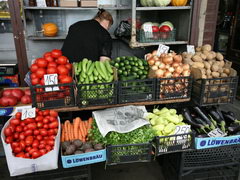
pixel 226 70
pixel 223 75
pixel 215 74
pixel 210 56
pixel 207 47
pixel 199 48
pixel 215 67
pixel 197 58
pixel 219 56
pixel 207 65
pixel 221 63
pixel 203 56
pixel 208 72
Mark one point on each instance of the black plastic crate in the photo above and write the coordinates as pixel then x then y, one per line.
pixel 97 94
pixel 136 91
pixel 174 88
pixel 214 91
pixel 173 143
pixel 148 37
pixel 129 153
pixel 43 99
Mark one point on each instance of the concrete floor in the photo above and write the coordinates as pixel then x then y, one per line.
pixel 135 171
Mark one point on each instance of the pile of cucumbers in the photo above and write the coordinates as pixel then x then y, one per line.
pixel 130 67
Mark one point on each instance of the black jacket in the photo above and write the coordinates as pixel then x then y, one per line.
pixel 87 39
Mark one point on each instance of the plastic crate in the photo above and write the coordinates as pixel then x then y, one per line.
pixel 129 153
pixel 173 88
pixel 173 143
pixel 97 94
pixel 44 99
pixel 214 91
pixel 136 91
pixel 148 37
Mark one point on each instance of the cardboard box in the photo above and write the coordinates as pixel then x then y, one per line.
pixel 87 3
pixel 68 3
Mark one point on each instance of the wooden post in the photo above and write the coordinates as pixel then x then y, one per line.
pixel 19 39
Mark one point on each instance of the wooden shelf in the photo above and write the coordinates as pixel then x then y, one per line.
pixel 163 8
pixel 68 109
pixel 77 8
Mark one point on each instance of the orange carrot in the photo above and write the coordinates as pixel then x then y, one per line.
pixel 90 121
pixel 66 130
pixel 62 135
pixel 76 127
pixel 72 132
pixel 81 129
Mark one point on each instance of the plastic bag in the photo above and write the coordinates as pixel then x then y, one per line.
pixel 123 30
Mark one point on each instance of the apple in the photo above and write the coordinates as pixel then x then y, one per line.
pixel 155 29
pixel 164 28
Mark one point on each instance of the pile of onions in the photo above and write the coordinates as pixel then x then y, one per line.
pixel 167 65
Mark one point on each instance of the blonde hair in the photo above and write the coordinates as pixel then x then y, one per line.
pixel 103 14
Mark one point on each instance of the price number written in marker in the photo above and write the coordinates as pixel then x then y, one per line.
pixel 51 79
pixel 191 49
pixel 216 133
pixel 147 28
pixel 28 113
pixel 184 129
pixel 162 49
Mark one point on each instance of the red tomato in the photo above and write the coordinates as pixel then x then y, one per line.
pixel 62 60
pixel 51 70
pixel 32 150
pixel 164 28
pixel 14 144
pixel 36 132
pixel 18 115
pixel 12 128
pixel 29 120
pixel 52 64
pixel 9 139
pixel 41 146
pixel 28 132
pixel 26 99
pixel 45 120
pixel 15 122
pixel 17 149
pixel 27 155
pixel 16 135
pixel 51 132
pixel 32 126
pixel 43 132
pixel 39 137
pixel 22 123
pixel 53 113
pixel 42 83
pixel 40 72
pixel 49 148
pixel 27 92
pixel 50 142
pixel 155 29
pixel 34 68
pixel 39 124
pixel 66 80
pixel 43 151
pixel 45 126
pixel 40 113
pixel 62 76
pixel 22 144
pixel 52 119
pixel 35 144
pixel 62 70
pixel 36 154
pixel 21 155
pixel 49 59
pixel 33 76
pixel 39 118
pixel 29 140
pixel 56 131
pixel 8 131
pixel 19 129
pixel 68 66
pixel 41 63
pixel 46 112
pixel 43 142
pixel 25 128
pixel 35 81
pixel 56 53
pixel 52 137
pixel 46 54
pixel 27 149
pixel 53 125
pixel 17 93
pixel 22 136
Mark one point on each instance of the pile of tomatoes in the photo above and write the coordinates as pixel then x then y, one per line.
pixel 32 137
pixel 11 97
pixel 51 63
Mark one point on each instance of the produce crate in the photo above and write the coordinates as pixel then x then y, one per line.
pixel 148 37
pixel 97 94
pixel 44 99
pixel 214 91
pixel 173 143
pixel 173 88
pixel 83 159
pixel 136 91
pixel 129 153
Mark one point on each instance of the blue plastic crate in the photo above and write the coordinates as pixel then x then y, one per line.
pixel 84 159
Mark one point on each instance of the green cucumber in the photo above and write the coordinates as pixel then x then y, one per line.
pixel 99 69
pixel 91 68
pixel 84 64
pixel 108 67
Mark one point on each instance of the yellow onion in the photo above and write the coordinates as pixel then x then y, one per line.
pixel 163 55
pixel 154 53
pixel 154 68
pixel 186 73
pixel 151 61
pixel 175 64
pixel 167 74
pixel 186 67
pixel 157 63
pixel 179 69
pixel 148 56
pixel 171 69
pixel 167 60
pixel 175 75
pixel 162 66
pixel 177 58
pixel 155 58
pixel 159 73
pixel 167 66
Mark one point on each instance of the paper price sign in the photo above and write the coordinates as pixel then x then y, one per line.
pixel 28 113
pixel 162 49
pixel 182 129
pixel 191 49
pixel 216 133
pixel 41 3
pixel 51 79
pixel 147 28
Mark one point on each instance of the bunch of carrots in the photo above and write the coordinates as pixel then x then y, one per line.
pixel 76 130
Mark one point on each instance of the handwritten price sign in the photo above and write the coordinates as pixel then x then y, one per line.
pixel 162 49
pixel 51 79
pixel 28 113
pixel 191 49
pixel 216 133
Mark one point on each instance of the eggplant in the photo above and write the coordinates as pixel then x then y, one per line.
pixel 202 135
pixel 216 116
pixel 188 118
pixel 234 128
pixel 204 116
pixel 200 121
pixel 229 118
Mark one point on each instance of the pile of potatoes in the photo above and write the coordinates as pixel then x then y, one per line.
pixel 211 64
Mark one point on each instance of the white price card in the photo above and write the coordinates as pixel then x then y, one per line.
pixel 162 49
pixel 41 3
pixel 216 133
pixel 147 28
pixel 28 113
pixel 51 79
pixel 191 49
pixel 184 129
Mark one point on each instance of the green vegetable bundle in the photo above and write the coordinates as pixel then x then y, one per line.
pixel 143 134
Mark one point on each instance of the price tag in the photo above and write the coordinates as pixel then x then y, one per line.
pixel 182 129
pixel 191 49
pixel 147 28
pixel 28 113
pixel 162 49
pixel 216 133
pixel 51 79
pixel 41 3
